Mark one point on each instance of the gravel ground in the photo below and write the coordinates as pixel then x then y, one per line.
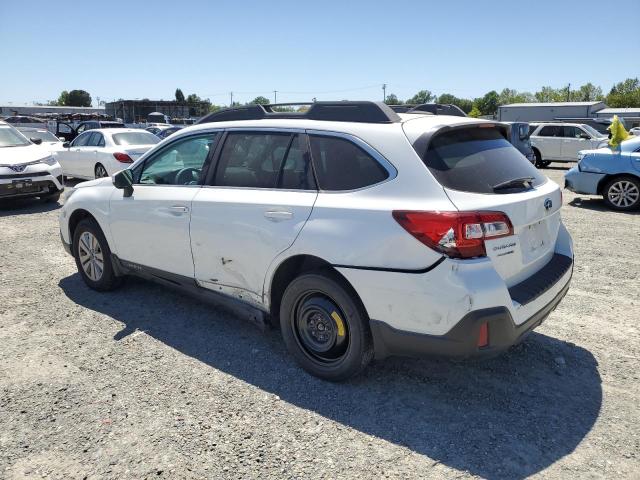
pixel 144 383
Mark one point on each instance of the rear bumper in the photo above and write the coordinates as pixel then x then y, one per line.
pixel 461 340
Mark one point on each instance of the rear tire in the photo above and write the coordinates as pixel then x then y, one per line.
pixel 540 163
pixel 93 256
pixel 100 171
pixel 324 327
pixel 622 193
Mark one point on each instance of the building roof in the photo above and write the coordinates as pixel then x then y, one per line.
pixel 552 104
pixel 613 111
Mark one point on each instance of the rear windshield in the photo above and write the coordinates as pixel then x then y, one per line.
pixel 135 138
pixel 477 160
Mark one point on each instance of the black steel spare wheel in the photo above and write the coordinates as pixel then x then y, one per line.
pixel 320 327
pixel 325 326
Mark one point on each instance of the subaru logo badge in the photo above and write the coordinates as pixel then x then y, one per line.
pixel 17 168
pixel 548 204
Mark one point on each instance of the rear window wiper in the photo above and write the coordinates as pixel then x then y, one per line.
pixel 526 182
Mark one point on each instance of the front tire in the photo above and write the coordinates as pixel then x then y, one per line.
pixel 622 193
pixel 53 198
pixel 93 256
pixel 324 327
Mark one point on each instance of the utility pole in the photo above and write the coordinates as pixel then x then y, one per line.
pixel 384 92
pixel 275 96
pixel 231 101
pixel 568 92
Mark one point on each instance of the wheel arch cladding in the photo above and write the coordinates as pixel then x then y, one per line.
pixel 76 217
pixel 297 265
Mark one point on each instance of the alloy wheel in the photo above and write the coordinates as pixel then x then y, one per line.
pixel 623 194
pixel 91 257
pixel 101 172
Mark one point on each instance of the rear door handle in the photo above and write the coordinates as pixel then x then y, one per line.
pixel 278 215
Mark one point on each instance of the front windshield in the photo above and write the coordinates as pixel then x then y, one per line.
pixel 135 138
pixel 43 135
pixel 592 131
pixel 10 137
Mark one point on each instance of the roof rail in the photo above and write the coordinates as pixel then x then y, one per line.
pixel 344 111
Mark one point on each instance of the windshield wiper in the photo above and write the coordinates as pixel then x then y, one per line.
pixel 525 182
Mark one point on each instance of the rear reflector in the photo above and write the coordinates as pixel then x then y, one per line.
pixel 456 234
pixel 483 335
pixel 122 157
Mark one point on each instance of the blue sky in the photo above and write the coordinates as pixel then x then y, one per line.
pixel 326 49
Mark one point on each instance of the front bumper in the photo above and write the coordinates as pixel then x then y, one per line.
pixel 67 246
pixel 35 181
pixel 461 341
pixel 582 182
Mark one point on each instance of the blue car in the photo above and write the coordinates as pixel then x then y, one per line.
pixel 612 173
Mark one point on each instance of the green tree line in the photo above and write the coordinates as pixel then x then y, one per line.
pixel 622 94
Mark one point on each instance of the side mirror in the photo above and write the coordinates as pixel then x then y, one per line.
pixel 66 145
pixel 37 141
pixel 585 136
pixel 62 139
pixel 123 180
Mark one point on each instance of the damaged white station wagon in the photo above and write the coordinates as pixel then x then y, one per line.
pixel 364 233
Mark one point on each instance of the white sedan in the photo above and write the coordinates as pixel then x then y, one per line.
pixel 103 152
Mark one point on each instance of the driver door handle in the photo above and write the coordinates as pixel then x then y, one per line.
pixel 179 209
pixel 278 215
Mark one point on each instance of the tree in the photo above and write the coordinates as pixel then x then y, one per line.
pixel 625 94
pixel 475 111
pixel 392 99
pixel 193 99
pixel 488 105
pixel 259 101
pixel 550 94
pixel 423 96
pixel 63 99
pixel 78 98
pixel 508 96
pixel 179 96
pixel 587 93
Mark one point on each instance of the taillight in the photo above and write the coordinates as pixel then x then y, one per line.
pixel 122 157
pixel 456 234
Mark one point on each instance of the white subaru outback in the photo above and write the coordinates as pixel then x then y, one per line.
pixel 363 232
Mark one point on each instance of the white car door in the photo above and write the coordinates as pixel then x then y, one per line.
pixel 574 139
pixel 70 158
pixel 548 141
pixel 151 227
pixel 262 195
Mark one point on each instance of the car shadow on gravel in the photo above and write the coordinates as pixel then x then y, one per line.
pixel 598 205
pixel 508 417
pixel 10 208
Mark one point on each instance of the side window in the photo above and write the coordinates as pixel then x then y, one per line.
pixel 532 128
pixel 180 163
pixel 81 128
pixel 98 139
pixel 252 159
pixel 571 132
pixel 81 140
pixel 550 131
pixel 296 173
pixel 342 165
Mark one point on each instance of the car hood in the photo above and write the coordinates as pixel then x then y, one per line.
pixel 98 182
pixel 26 154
